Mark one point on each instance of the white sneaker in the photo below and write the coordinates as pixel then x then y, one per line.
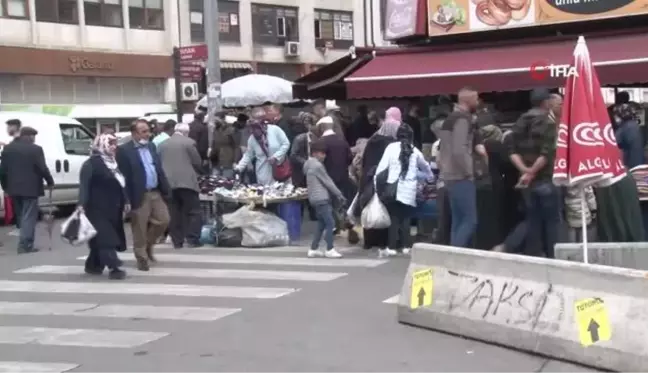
pixel 385 253
pixel 406 251
pixel 333 254
pixel 315 254
pixel 14 232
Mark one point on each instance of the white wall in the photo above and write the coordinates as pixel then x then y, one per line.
pixel 247 51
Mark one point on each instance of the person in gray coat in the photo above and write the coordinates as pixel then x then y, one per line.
pixel 181 163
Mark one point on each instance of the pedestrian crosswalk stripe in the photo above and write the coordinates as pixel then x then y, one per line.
pixel 139 312
pixel 130 288
pixel 262 260
pixel 279 249
pixel 392 300
pixel 21 335
pixel 28 367
pixel 241 274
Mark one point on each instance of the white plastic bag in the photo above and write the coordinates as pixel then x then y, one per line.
pixel 77 229
pixel 260 228
pixel 375 215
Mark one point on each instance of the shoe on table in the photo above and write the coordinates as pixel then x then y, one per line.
pixel 315 253
pixel 332 254
pixel 385 253
pixel 117 274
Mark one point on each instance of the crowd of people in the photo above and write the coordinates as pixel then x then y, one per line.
pixel 487 188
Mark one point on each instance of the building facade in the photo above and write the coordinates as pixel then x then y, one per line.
pixel 286 38
pixel 95 60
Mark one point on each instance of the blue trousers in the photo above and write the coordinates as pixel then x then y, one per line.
pixel 463 211
pixel 325 225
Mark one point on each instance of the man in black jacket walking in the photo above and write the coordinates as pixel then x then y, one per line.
pixel 22 172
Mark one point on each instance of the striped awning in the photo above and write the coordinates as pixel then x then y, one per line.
pixel 236 65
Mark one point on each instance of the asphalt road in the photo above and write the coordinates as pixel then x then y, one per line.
pixel 223 310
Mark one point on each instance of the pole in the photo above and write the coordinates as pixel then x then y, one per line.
pixel 177 76
pixel 584 227
pixel 212 39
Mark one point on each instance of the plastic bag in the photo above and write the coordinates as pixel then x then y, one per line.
pixel 375 215
pixel 229 237
pixel 77 229
pixel 350 211
pixel 260 228
pixel 207 235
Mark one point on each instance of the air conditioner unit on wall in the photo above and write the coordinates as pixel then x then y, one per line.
pixel 292 49
pixel 189 91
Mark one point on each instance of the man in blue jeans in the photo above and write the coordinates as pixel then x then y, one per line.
pixel 532 152
pixel 457 142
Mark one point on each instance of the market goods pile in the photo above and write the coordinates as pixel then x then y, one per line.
pixel 210 185
pixel 640 175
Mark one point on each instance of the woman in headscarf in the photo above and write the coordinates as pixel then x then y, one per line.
pixel 373 151
pixel 104 202
pixel 267 145
pixel 403 165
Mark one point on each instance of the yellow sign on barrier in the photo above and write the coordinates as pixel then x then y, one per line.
pixel 592 320
pixel 422 285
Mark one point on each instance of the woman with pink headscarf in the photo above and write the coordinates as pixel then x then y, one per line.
pixel 372 154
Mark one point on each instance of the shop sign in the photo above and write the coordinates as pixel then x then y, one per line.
pixel 404 18
pixel 542 70
pixel 193 53
pixel 81 64
pixel 463 16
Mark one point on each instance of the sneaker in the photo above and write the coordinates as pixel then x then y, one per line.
pixel 406 251
pixel 499 248
pixel 14 232
pixel 385 253
pixel 315 253
pixel 142 264
pixel 332 254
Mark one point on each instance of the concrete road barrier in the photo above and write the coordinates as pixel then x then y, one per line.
pixel 616 254
pixel 589 314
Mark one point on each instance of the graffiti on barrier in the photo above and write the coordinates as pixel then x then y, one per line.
pixel 530 305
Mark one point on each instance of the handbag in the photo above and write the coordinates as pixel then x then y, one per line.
pixel 282 171
pixel 386 191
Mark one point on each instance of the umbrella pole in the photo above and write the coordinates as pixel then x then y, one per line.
pixel 584 227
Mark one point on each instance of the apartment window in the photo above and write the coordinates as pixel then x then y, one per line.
pixel 274 25
pixel 13 9
pixel 58 11
pixel 146 14
pixel 333 29
pixel 228 21
pixel 103 13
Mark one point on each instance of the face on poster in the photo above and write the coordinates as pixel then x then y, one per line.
pixel 462 16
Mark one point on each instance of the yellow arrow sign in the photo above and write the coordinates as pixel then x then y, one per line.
pixel 422 285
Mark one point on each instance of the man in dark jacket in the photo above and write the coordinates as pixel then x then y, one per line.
pixel 533 148
pixel 199 132
pixel 146 188
pixel 22 172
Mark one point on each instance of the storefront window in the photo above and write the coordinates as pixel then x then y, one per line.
pixel 333 29
pixel 146 14
pixel 103 13
pixel 13 8
pixel 57 11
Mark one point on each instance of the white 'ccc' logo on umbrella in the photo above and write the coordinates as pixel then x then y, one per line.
pixel 608 134
pixel 588 134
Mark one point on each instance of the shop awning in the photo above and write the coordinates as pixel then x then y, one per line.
pixel 327 81
pixel 620 59
pixel 236 65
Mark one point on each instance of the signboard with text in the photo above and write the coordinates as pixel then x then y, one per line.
pixel 447 17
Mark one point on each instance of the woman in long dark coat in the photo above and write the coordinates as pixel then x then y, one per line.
pixel 373 151
pixel 102 198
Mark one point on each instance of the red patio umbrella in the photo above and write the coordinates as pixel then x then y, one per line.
pixel 586 149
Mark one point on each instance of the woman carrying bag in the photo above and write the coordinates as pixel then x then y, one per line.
pixel 103 200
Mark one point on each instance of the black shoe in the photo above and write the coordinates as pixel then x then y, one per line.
pixel 117 274
pixel 27 251
pixel 142 264
pixel 178 247
pixel 93 272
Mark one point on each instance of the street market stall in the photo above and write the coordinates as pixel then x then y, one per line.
pixel 230 204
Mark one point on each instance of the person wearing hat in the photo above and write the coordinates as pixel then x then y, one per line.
pixel 22 172
pixel 532 152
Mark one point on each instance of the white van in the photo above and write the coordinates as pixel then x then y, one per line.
pixel 66 144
